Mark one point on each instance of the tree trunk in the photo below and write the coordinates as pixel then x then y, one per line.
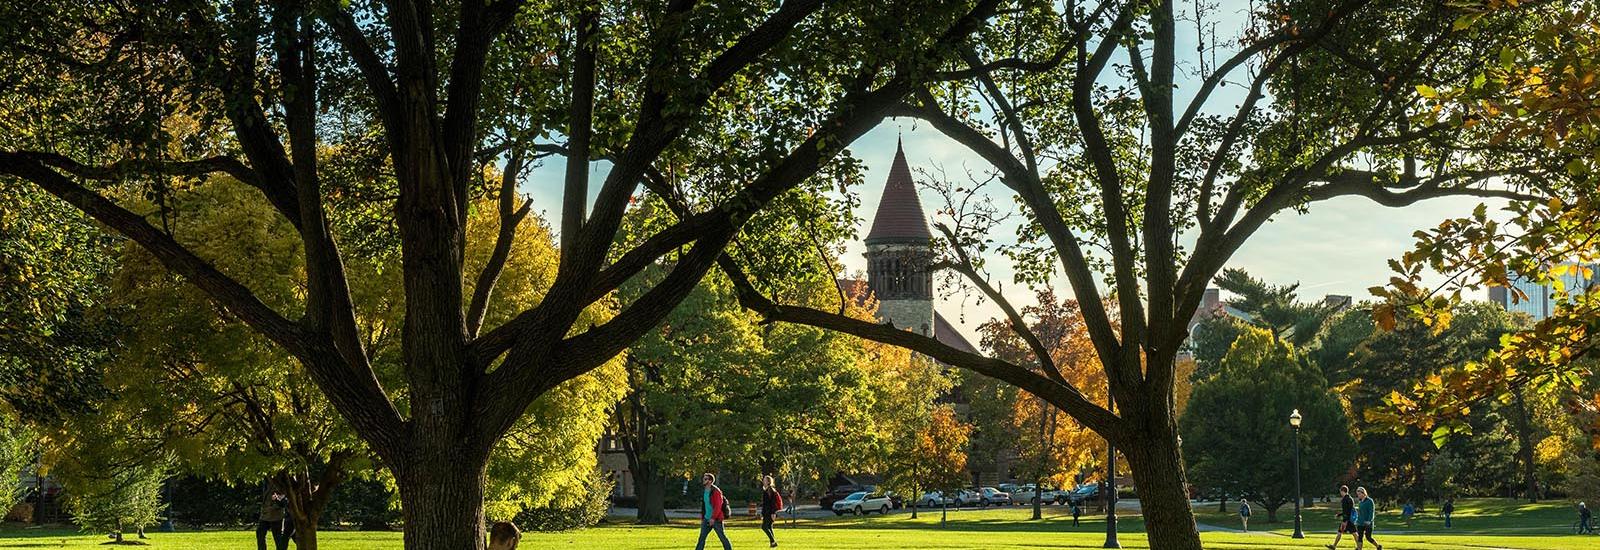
pixel 652 489
pixel 441 500
pixel 1222 504
pixel 1158 476
pixel 305 534
pixel 1272 507
pixel 1524 427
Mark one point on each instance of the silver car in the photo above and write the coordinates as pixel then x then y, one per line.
pixel 862 503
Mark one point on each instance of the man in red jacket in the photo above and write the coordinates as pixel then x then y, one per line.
pixel 713 509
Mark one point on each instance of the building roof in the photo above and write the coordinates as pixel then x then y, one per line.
pixel 948 335
pixel 899 218
pixel 943 330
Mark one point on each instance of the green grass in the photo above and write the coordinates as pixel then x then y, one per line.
pixel 1479 524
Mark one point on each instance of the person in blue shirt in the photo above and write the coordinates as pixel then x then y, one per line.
pixel 1365 514
pixel 1244 514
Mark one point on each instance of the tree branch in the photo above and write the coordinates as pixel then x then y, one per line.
pixel 511 217
pixel 238 299
pixel 1066 397
pixel 963 265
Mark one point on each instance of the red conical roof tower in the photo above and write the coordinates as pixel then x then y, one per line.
pixel 899 218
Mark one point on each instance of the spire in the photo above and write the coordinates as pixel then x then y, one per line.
pixel 899 218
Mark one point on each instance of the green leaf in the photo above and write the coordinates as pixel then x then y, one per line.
pixel 1427 91
pixel 1441 435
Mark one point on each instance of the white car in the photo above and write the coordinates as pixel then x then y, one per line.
pixel 967 497
pixel 935 499
pixel 990 496
pixel 1027 494
pixel 862 503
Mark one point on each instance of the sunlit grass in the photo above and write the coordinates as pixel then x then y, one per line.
pixel 1479 524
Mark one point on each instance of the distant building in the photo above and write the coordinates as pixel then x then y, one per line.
pixel 899 250
pixel 1539 300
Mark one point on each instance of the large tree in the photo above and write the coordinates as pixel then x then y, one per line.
pixel 1237 424
pixel 1149 183
pixel 735 103
pixel 713 388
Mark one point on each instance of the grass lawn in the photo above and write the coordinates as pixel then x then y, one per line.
pixel 1479 524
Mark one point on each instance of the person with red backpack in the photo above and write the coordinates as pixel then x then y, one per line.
pixel 771 504
pixel 713 509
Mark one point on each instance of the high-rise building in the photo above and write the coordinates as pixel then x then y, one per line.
pixel 1540 300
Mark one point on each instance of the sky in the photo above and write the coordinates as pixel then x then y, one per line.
pixel 1339 246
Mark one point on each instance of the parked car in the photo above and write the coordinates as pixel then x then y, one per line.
pixel 990 496
pixel 1027 494
pixel 936 499
pixel 1087 493
pixel 862 503
pixel 838 493
pixel 1009 487
pixel 967 497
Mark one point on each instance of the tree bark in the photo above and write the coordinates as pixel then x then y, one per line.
pixel 1158 477
pixel 441 500
pixel 1525 446
pixel 652 489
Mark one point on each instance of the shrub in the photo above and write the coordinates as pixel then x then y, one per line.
pixel 199 502
pixel 589 510
pixel 366 503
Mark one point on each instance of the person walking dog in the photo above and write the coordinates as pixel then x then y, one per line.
pixel 713 509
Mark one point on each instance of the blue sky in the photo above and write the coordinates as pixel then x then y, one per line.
pixel 1339 247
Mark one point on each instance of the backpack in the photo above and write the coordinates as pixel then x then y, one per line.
pixel 727 509
pixel 777 500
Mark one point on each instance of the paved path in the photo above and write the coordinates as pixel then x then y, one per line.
pixel 1206 527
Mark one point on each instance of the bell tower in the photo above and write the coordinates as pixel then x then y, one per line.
pixel 899 250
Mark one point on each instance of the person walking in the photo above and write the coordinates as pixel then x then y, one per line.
pixel 1584 517
pixel 1448 509
pixel 1347 510
pixel 1077 510
pixel 771 504
pixel 271 520
pixel 1365 514
pixel 1244 514
pixel 713 509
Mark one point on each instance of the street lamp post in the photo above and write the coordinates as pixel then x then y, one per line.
pixel 1109 490
pixel 1294 420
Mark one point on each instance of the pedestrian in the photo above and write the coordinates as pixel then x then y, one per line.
pixel 504 536
pixel 1584 516
pixel 1347 508
pixel 1364 519
pixel 1244 514
pixel 271 520
pixel 1448 509
pixel 771 504
pixel 1407 511
pixel 1077 510
pixel 713 509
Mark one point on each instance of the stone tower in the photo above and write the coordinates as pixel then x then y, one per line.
pixel 899 249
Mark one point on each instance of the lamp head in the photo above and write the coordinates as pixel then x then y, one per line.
pixel 1294 418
